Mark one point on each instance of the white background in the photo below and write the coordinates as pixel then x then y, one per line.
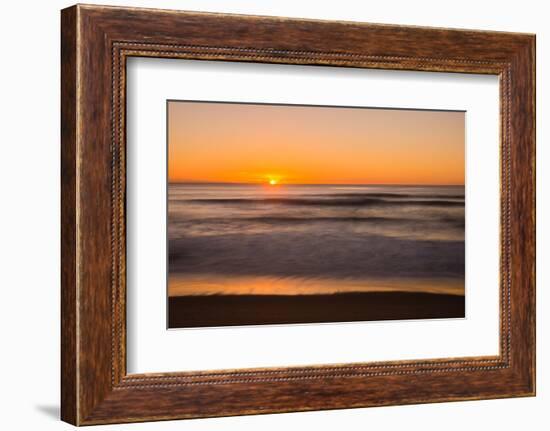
pixel 151 348
pixel 29 227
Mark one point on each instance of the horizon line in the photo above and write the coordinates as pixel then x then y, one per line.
pixel 258 183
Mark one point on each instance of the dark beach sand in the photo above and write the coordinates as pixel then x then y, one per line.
pixel 231 310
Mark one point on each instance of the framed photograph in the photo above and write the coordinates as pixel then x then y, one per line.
pixel 264 215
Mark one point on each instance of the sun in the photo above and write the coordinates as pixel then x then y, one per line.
pixel 273 182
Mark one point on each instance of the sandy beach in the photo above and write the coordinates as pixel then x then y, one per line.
pixel 233 310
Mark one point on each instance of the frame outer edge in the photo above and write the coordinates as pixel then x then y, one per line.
pixel 531 78
pixel 528 61
pixel 533 54
pixel 523 217
pixel 69 197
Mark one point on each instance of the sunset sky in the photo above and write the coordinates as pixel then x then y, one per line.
pixel 251 143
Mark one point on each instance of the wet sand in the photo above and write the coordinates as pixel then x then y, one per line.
pixel 232 310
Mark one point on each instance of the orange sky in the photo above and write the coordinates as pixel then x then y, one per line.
pixel 251 143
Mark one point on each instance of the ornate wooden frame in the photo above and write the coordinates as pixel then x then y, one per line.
pixel 96 41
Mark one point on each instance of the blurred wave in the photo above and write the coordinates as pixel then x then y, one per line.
pixel 316 232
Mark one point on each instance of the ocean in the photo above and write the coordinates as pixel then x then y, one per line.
pixel 237 239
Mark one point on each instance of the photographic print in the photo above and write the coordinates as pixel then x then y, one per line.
pixel 281 214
